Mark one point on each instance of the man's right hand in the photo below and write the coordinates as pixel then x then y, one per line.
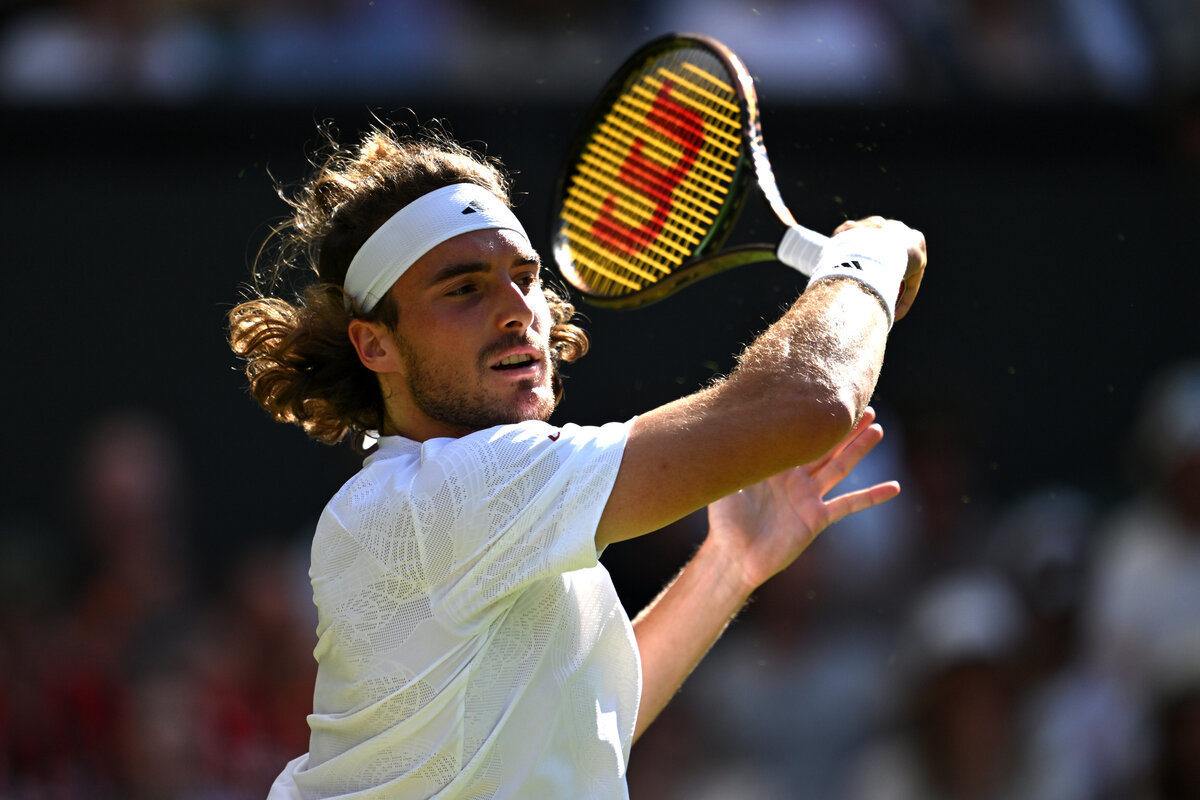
pixel 917 255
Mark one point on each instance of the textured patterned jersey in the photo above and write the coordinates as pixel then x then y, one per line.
pixel 470 643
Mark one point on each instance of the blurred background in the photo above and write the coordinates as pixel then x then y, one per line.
pixel 1023 622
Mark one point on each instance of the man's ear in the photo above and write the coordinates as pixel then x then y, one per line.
pixel 375 346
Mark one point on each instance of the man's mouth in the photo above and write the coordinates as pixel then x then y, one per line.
pixel 514 361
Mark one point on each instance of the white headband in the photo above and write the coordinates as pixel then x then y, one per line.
pixel 415 230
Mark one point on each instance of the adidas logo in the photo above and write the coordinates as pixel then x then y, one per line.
pixel 847 265
pixel 473 207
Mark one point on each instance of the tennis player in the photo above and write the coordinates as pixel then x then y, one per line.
pixel 470 644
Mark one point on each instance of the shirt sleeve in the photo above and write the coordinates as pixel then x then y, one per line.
pixel 506 506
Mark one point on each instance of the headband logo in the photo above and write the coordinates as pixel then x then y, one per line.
pixel 416 229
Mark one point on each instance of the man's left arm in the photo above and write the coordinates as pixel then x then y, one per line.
pixel 753 535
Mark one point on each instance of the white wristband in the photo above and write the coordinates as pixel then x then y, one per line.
pixel 876 257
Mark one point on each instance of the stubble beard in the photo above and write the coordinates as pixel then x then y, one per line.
pixel 440 400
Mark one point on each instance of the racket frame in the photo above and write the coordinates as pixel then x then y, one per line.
pixel 707 258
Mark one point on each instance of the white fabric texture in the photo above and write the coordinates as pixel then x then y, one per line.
pixel 415 230
pixel 470 643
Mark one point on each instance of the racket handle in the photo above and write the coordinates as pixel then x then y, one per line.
pixel 801 248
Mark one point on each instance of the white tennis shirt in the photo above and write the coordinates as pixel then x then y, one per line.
pixel 470 644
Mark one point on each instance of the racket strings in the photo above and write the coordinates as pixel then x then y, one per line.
pixel 654 175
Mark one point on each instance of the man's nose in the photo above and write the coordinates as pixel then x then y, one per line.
pixel 515 311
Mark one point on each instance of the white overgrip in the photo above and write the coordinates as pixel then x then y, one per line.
pixel 801 248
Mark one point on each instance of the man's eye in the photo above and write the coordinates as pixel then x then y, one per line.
pixel 461 289
pixel 527 280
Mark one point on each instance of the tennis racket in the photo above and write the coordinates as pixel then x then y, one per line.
pixel 658 174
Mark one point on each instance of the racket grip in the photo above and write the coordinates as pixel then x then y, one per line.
pixel 801 248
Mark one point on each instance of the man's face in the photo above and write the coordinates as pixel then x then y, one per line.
pixel 472 337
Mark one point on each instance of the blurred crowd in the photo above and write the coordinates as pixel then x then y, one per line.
pixel 944 646
pixel 173 51
pixel 124 673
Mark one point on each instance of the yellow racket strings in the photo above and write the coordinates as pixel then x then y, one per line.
pixel 652 178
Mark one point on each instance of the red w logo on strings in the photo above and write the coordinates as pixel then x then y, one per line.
pixel 655 182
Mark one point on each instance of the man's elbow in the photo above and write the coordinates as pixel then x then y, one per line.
pixel 814 420
pixel 804 416
pixel 835 415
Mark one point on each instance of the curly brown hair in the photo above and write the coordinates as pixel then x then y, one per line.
pixel 299 360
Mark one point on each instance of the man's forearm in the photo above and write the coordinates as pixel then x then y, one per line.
pixel 831 341
pixel 676 630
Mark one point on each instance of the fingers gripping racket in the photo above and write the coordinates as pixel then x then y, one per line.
pixel 658 174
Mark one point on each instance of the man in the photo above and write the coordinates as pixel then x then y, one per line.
pixel 470 644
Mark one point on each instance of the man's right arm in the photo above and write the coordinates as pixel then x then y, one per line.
pixel 798 389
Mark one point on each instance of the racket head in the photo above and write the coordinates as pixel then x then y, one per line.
pixel 658 173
